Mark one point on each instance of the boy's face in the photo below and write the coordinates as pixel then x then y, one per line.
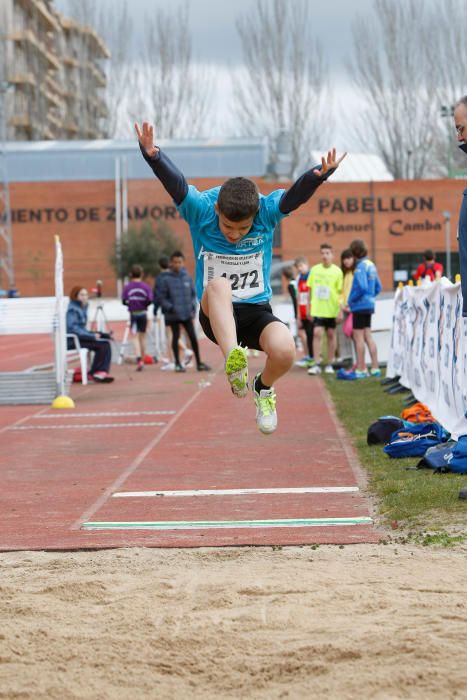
pixel 326 256
pixel 302 267
pixel 233 231
pixel 176 264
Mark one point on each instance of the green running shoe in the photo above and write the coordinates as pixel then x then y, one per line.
pixel 266 416
pixel 236 369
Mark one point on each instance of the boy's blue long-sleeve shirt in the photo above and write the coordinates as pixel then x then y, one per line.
pixel 246 263
pixel 366 286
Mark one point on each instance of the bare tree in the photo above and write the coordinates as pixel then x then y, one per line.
pixel 284 88
pixel 399 117
pixel 446 60
pixel 172 90
pixel 114 24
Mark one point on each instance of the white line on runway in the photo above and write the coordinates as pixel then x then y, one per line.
pixel 231 524
pixel 236 492
pixel 83 426
pixel 110 414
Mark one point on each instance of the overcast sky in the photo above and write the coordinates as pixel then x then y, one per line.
pixel 215 37
pixel 216 42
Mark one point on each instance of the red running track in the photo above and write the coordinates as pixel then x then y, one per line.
pixel 60 469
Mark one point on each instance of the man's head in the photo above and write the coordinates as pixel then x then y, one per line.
pixel 429 256
pixel 301 263
pixel 327 255
pixel 359 249
pixel 460 120
pixel 236 207
pixel 177 260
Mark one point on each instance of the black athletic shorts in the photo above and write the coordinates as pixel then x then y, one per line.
pixel 324 322
pixel 139 323
pixel 361 320
pixel 250 320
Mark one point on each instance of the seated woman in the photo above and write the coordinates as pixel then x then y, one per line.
pixel 76 321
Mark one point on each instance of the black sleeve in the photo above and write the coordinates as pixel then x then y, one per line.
pixel 172 179
pixel 302 190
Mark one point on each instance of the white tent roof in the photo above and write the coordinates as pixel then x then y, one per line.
pixel 357 167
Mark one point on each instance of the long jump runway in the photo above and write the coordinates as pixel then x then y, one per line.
pixel 159 459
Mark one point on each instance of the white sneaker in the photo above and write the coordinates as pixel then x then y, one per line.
pixel 329 369
pixel 316 369
pixel 266 416
pixel 168 366
pixel 187 358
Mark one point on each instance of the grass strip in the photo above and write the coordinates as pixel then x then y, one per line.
pixel 418 498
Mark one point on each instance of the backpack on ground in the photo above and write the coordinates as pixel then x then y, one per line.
pixel 415 441
pixel 379 432
pixel 446 457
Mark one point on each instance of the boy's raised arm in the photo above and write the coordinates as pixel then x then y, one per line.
pixel 172 179
pixel 308 183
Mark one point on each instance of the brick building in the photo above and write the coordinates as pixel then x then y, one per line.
pixel 69 189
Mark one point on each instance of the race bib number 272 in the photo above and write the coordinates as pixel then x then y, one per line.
pixel 244 272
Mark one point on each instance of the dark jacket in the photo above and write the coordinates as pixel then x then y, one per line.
pixel 463 251
pixel 156 294
pixel 176 296
pixel 76 320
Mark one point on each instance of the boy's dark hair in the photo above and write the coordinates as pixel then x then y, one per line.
pixel 429 255
pixel 238 199
pixel 347 253
pixel 358 248
pixel 325 246
pixel 164 262
pixel 177 254
pixel 136 271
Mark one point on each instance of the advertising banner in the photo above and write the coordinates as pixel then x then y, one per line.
pixel 429 350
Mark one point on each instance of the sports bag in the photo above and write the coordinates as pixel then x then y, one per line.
pixel 381 430
pixel 418 413
pixel 414 441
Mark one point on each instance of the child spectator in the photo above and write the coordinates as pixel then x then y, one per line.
pixel 137 295
pixel 304 322
pixel 365 287
pixel 177 297
pixel 325 283
pixel 344 341
pixel 429 267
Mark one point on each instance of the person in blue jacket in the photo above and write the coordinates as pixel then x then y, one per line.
pixel 460 121
pixel 76 323
pixel 366 286
pixel 232 231
pixel 175 293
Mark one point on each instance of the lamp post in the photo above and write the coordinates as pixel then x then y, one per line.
pixel 448 111
pixel 447 229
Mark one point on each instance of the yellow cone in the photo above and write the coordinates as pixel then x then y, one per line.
pixel 63 402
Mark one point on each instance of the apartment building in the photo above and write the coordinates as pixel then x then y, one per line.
pixel 53 68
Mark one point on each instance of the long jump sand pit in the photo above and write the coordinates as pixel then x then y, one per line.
pixel 364 621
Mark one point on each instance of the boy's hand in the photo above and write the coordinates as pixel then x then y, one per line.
pixel 146 138
pixel 329 163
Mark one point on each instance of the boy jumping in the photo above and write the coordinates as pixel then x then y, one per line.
pixel 232 230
